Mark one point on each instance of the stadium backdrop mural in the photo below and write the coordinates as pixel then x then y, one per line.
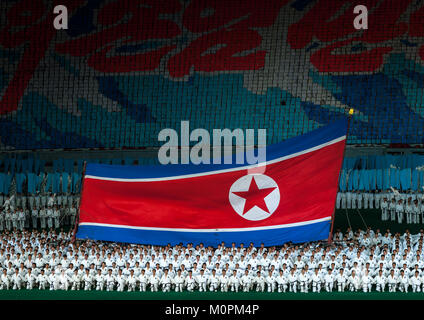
pixel 126 69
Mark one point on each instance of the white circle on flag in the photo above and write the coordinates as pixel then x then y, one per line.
pixel 254 196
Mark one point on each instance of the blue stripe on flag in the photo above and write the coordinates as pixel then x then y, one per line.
pixel 275 151
pixel 298 234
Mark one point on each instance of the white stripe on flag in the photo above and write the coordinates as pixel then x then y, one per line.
pixel 289 225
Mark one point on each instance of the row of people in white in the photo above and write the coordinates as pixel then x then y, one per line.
pixel 345 200
pixel 54 256
pixel 410 212
pixel 373 200
pixel 46 217
pixel 272 281
pixel 38 200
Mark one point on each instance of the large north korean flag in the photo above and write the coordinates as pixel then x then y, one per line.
pixel 291 200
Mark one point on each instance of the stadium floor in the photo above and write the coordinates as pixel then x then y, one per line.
pixel 103 295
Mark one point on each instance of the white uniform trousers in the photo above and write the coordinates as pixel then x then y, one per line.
pixel 121 286
pixel 5 285
pixel 110 286
pixel 366 287
pixel 316 286
pixel 246 287
pixel 43 222
pixel 353 287
pixel 416 288
pixel 54 285
pixel 143 286
pixel 131 286
pixel 403 287
pixel 303 286
pixel 34 222
pixel 393 215
pixel 179 287
pixel 190 287
pixel 100 285
pixel 213 287
pixel 270 287
pixel 380 287
pixel 260 287
pixel 56 222
pixel 87 285
pixel 384 214
pixel 329 286
pixel 30 285
pixel 399 216
pixel 42 285
pixel 282 287
pixel 234 287
pixel 202 287
pixel 17 284
pixel 415 218
pixel 224 287
pixel 166 287
pixel 75 285
pixel 64 285
pixel 293 286
pixel 409 217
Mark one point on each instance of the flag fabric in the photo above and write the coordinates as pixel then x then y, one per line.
pixel 293 199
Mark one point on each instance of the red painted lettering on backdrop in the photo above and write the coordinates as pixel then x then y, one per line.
pixel 320 23
pixel 36 36
pixel 144 24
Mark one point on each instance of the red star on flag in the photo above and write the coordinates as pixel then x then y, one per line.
pixel 255 196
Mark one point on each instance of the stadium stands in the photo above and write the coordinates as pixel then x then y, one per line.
pixel 124 71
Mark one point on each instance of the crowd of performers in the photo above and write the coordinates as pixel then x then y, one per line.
pixel 364 260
